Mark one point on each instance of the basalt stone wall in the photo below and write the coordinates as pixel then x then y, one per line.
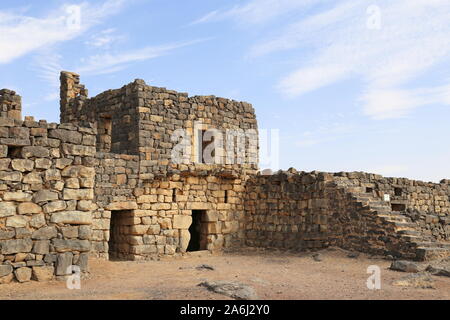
pixel 112 112
pixel 168 118
pixel 145 205
pixel 46 198
pixel 10 104
pixel 156 217
pixel 294 210
pixel 426 204
pixel 288 210
pixel 116 180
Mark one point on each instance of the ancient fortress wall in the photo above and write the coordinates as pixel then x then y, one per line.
pixel 298 210
pixel 153 197
pixel 46 191
pixel 107 183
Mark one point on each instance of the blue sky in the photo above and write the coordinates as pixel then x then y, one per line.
pixel 352 85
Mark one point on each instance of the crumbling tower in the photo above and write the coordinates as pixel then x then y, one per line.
pixel 72 94
pixel 10 104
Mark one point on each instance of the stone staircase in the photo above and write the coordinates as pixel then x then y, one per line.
pixel 412 242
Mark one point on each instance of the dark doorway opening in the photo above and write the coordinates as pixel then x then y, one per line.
pixel 118 247
pixel 198 238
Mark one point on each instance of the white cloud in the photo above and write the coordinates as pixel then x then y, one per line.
pixel 21 34
pixel 336 43
pixel 256 11
pixel 104 39
pixel 109 62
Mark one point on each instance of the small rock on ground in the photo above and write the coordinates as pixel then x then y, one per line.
pixel 231 289
pixel 205 266
pixel 421 280
pixel 353 255
pixel 317 257
pixel 406 266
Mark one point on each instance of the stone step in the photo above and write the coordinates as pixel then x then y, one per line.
pixel 431 253
pixel 410 233
pixel 393 217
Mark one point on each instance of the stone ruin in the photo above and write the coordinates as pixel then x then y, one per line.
pixel 103 183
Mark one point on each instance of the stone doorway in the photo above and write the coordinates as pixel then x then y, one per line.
pixel 118 246
pixel 197 231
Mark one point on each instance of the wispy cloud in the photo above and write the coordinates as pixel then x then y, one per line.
pixel 256 11
pixel 21 34
pixel 109 62
pixel 104 39
pixel 337 43
pixel 326 132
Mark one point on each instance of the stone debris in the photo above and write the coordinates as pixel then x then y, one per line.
pixel 422 280
pixel 407 266
pixel 205 267
pixel 317 257
pixel 231 289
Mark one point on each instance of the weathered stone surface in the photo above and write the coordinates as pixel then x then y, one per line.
pixel 7 279
pixel 55 206
pixel 5 270
pixel 7 209
pixel 45 195
pixel 45 233
pixel 72 217
pixel 231 289
pixel 64 245
pixel 22 165
pixel 124 205
pixel 66 135
pixel 16 222
pixel 43 273
pixel 16 246
pixel 12 176
pixel 6 234
pixel 406 266
pixel 41 247
pixel 64 263
pixel 23 274
pixel 38 152
pixel 33 178
pixel 18 196
pixel 52 175
pixel 37 221
pixel 182 222
pixel 78 194
pixel 416 280
pixel 28 208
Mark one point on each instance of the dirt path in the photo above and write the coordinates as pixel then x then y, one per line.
pixel 272 275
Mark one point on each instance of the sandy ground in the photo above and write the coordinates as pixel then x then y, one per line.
pixel 274 275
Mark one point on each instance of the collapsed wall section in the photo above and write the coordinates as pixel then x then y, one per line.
pixel 46 198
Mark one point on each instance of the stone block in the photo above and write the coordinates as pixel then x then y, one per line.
pixel 71 217
pixel 182 222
